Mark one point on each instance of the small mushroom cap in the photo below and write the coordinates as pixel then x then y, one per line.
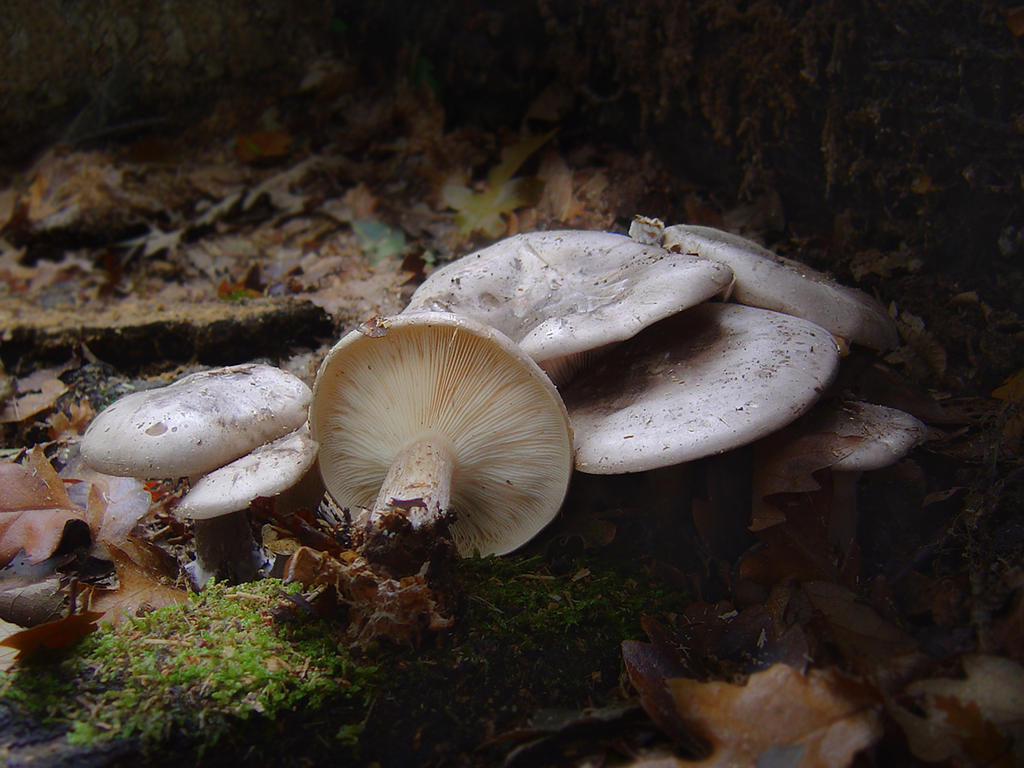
pixel 566 292
pixel 765 279
pixel 707 380
pixel 268 470
pixel 887 434
pixel 439 374
pixel 196 424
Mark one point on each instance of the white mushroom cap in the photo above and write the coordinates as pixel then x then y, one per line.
pixel 566 292
pixel 196 424
pixel 477 398
pixel 886 434
pixel 765 279
pixel 707 380
pixel 268 470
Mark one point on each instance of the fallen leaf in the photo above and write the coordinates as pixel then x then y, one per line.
pixel 786 464
pixel 974 721
pixel 921 353
pixel 142 583
pixel 780 717
pixel 649 665
pixel 797 547
pixel 35 392
pixel 34 509
pixel 8 655
pixel 1011 392
pixel 865 637
pixel 262 145
pixel 502 194
pixel 53 635
pixel 73 423
pixel 1015 20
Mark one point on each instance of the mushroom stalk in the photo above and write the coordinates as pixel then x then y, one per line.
pixel 225 550
pixel 419 482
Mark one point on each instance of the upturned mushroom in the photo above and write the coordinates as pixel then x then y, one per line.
pixel 767 280
pixel 561 295
pixel 199 424
pixel 431 424
pixel 712 378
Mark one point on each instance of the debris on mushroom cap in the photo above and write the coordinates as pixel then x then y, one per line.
pixel 196 424
pixel 473 396
pixel 268 470
pixel 565 292
pixel 707 380
pixel 765 279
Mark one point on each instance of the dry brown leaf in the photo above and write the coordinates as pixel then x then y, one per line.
pixel 35 392
pixel 558 200
pixel 787 463
pixel 66 185
pixel 71 424
pixel 865 637
pixel 782 716
pixel 53 635
pixel 797 547
pixel 921 353
pixel 262 145
pixel 142 572
pixel 34 509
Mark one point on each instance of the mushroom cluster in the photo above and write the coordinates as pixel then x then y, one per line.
pixel 458 422
pixel 236 433
pixel 666 346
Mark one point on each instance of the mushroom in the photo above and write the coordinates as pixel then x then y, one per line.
pixel 218 500
pixel 847 437
pixel 704 381
pixel 434 424
pixel 195 426
pixel 764 279
pixel 563 294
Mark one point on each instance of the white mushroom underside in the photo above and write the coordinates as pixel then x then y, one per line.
pixel 708 380
pixel 508 431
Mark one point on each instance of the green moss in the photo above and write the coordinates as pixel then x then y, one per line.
pixel 197 667
pixel 526 639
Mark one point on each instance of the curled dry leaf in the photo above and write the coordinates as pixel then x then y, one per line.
pixel 34 509
pixel 780 716
pixel 787 465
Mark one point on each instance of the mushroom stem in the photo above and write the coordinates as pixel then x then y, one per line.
pixel 419 482
pixel 225 550
pixel 842 525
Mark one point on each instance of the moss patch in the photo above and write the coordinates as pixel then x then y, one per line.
pixel 227 667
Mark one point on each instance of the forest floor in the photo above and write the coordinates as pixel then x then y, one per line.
pixel 648 625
